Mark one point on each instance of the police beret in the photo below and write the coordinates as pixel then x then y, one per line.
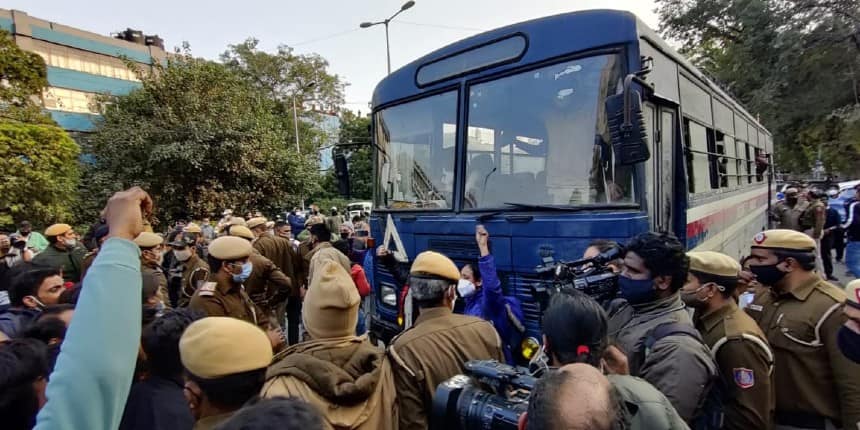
pixel 192 228
pixel 237 220
pixel 57 229
pixel 852 290
pixel 241 231
pixel 714 263
pixel 183 239
pixel 230 248
pixel 256 221
pixel 784 239
pixel 270 224
pixel 435 264
pixel 148 240
pixel 215 347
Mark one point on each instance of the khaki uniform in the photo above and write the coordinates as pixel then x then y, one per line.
pixel 70 262
pixel 305 253
pixel 221 297
pixel 432 351
pixel 190 274
pixel 812 219
pixel 788 217
pixel 745 362
pixel 267 287
pixel 814 380
pixel 155 270
pixel 281 252
pixel 679 366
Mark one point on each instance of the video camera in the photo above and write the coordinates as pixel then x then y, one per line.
pixel 592 276
pixel 489 395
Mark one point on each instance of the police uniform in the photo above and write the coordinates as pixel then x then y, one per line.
pixel 147 240
pixel 816 386
pixel 436 347
pixel 186 276
pixel 740 349
pixel 69 260
pixel 788 216
pixel 221 296
pixel 266 285
pixel 214 348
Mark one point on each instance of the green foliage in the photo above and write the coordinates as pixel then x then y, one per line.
pixel 354 143
pixel 40 171
pixel 795 63
pixel 24 76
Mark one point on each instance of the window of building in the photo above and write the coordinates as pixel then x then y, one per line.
pixel 86 62
pixel 67 100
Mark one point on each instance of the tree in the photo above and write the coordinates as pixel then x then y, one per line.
pixel 40 173
pixel 24 76
pixel 200 138
pixel 355 144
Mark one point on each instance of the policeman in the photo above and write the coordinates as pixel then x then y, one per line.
pixel 849 334
pixel 437 346
pixel 150 262
pixel 224 294
pixel 275 248
pixel 787 212
pixel 197 233
pixel 816 386
pixel 266 284
pixel 63 252
pixel 737 343
pixel 189 272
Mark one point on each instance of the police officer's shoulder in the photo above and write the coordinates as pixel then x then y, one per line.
pixel 207 289
pixel 832 292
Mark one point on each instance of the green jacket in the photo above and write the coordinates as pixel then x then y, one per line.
pixel 645 406
pixel 71 262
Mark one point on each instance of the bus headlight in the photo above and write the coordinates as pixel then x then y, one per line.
pixel 389 296
pixel 529 347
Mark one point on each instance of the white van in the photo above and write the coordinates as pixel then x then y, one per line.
pixel 355 209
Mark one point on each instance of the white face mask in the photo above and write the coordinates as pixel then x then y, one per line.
pixel 183 255
pixel 70 243
pixel 465 288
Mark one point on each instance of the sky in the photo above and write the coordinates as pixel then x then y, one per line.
pixel 326 27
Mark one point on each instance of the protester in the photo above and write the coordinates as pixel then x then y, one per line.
pixel 575 331
pixel 32 289
pixel 344 376
pixel 278 413
pixel 158 401
pixel 676 362
pixel 35 241
pixel 189 272
pixel 738 345
pixel 815 384
pixel 832 238
pixel 359 278
pixel 14 250
pixel 63 252
pixel 296 221
pixel 849 334
pixel 225 362
pixel 92 378
pixel 24 372
pixel 50 327
pixel 436 347
pixel 480 287
pixel 576 397
pixel 207 230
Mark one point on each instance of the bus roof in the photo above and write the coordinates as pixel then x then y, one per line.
pixel 582 30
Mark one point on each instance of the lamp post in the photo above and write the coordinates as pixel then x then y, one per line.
pixel 405 6
pixel 309 85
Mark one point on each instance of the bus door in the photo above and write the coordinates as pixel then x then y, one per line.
pixel 660 169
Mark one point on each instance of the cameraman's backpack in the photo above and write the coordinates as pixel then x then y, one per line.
pixel 710 411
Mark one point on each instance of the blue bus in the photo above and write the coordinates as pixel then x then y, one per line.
pixel 510 128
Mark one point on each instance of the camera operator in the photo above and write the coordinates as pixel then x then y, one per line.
pixel 575 331
pixel 597 405
pixel 479 286
pixel 599 246
pixel 654 329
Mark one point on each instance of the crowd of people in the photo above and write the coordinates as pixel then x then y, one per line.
pixel 258 324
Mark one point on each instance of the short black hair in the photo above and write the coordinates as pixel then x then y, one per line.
pixel 231 391
pixel 476 271
pixel 663 255
pixel 342 245
pixel 22 362
pixel 46 329
pixel 55 310
pixel 806 259
pixel 431 284
pixel 544 400
pixel 321 232
pixel 276 413
pixel 27 282
pixel 281 223
pixel 574 320
pixel 729 283
pixel 160 341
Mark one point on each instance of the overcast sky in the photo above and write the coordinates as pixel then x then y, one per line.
pixel 327 27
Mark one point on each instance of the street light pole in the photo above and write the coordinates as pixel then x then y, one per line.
pixel 405 6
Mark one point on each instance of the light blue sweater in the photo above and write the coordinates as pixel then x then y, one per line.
pixel 92 378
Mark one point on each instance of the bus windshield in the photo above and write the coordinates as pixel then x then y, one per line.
pixel 540 138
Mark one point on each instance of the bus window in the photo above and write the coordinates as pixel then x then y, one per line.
pixel 698 163
pixel 540 137
pixel 417 167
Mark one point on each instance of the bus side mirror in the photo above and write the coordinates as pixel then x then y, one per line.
pixel 341 173
pixel 627 127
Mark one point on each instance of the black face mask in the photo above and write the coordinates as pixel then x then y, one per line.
pixel 344 235
pixel 768 275
pixel 849 343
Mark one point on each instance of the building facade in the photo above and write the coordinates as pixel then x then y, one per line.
pixel 81 65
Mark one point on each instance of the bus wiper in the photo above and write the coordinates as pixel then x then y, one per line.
pixel 565 208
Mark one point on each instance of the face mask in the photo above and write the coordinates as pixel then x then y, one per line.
pixel 636 291
pixel 465 288
pixel 39 303
pixel 692 299
pixel 246 273
pixel 159 258
pixel 791 200
pixel 768 275
pixel 849 343
pixel 183 255
pixel 70 243
pixel 344 235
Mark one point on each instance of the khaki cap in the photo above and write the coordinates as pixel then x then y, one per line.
pixel 215 347
pixel 784 239
pixel 148 240
pixel 791 190
pixel 237 220
pixel 270 224
pixel 256 221
pixel 57 229
pixel 241 231
pixel 330 308
pixel 435 265
pixel 192 228
pixel 230 248
pixel 714 263
pixel 852 290
pixel 314 219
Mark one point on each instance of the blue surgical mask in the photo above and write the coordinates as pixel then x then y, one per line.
pixel 246 273
pixel 636 291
